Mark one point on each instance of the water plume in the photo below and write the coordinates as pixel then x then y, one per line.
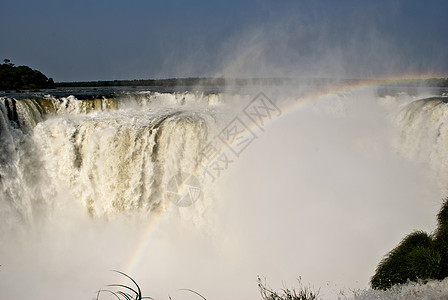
pixel 319 193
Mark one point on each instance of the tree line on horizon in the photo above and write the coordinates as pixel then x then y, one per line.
pixel 22 78
pixel 221 81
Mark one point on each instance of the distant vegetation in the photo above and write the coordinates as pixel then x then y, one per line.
pixel 146 82
pixel 419 256
pixel 219 81
pixel 176 82
pixel 22 78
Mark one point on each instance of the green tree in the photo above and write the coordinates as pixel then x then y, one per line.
pixel 22 77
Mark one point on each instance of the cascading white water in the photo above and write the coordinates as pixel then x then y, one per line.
pixel 119 157
pixel 119 162
pixel 316 195
pixel 20 189
pixel 424 135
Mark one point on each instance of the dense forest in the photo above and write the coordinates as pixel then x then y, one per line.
pixel 22 78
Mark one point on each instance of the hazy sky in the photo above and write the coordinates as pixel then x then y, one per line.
pixel 73 40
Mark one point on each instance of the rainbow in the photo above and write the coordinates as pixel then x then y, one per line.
pixel 326 93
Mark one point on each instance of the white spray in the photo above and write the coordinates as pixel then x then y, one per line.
pixel 319 194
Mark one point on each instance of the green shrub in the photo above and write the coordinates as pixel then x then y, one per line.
pixel 418 256
pixel 22 77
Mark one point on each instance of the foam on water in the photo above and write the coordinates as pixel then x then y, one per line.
pixel 433 289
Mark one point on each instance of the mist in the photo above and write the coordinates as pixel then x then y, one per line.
pixel 323 196
pixel 321 193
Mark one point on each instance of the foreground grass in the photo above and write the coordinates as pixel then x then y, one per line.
pixel 130 292
pixel 302 293
pixel 121 291
pixel 133 292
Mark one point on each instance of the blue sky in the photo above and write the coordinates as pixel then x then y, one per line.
pixel 140 39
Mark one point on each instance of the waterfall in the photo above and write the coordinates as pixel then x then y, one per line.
pixel 423 129
pixel 112 155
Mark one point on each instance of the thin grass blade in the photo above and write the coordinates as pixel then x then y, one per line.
pixel 194 292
